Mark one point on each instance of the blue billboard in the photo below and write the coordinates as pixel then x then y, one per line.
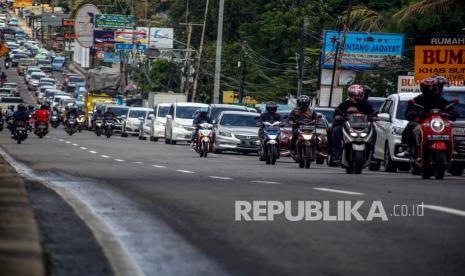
pixel 362 50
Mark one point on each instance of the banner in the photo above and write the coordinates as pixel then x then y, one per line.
pixel 160 38
pixel 112 57
pixel 441 55
pixel 362 50
pixel 115 21
pixel 407 84
pixel 104 38
pixel 130 37
pixel 23 3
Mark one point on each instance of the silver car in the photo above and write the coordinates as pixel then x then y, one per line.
pixel 237 131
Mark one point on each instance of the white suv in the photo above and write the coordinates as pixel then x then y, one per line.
pixel 179 121
pixel 157 127
pixel 389 130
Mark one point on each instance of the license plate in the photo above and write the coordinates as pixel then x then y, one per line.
pixel 188 136
pixel 438 137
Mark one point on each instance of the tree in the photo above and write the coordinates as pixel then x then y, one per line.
pixel 424 7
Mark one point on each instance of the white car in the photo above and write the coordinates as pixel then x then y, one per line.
pixel 57 98
pixel 133 119
pixel 2 23
pixel 29 71
pixel 179 121
pixel 34 80
pixel 157 126
pixel 144 126
pixel 389 130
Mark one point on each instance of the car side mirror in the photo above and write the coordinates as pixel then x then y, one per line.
pixel 386 117
pixel 214 122
pixel 169 117
pixel 141 118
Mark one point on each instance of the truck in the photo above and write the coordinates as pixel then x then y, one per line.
pixel 163 97
pixel 103 85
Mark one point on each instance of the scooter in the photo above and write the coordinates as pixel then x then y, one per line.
pixel 98 125
pixel 55 121
pixel 307 140
pixel 20 133
pixel 41 129
pixel 435 150
pixel 204 139
pixel 71 126
pixel 80 122
pixel 269 147
pixel 109 125
pixel 358 140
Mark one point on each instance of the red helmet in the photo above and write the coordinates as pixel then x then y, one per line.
pixel 430 87
pixel 356 92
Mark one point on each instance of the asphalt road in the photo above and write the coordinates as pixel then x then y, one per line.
pixel 175 212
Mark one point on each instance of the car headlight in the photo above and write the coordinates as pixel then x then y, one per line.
pixel 437 125
pixel 225 133
pixel 353 134
pixel 397 130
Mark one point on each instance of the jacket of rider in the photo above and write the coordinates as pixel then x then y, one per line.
pixel 415 113
pixel 41 115
pixel 364 107
pixel 296 115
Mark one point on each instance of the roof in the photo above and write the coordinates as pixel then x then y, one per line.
pixel 239 113
pixel 141 108
pixel 454 88
pixel 192 104
pixel 406 96
pixel 376 98
pixel 229 106
pixel 164 104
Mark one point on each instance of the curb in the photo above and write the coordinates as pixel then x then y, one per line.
pixel 20 247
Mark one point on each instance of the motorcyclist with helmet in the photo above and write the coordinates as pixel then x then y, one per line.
pixel 42 115
pixel 71 112
pixel 9 114
pixel 430 98
pixel 20 115
pixel 202 117
pixel 301 112
pixel 109 114
pixel 270 116
pixel 356 102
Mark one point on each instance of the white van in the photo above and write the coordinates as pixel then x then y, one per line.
pixel 179 121
pixel 135 115
pixel 157 126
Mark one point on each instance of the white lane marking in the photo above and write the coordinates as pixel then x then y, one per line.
pixel 265 182
pixel 138 162
pixel 220 177
pixel 158 166
pixel 338 191
pixel 184 171
pixel 83 148
pixel 76 145
pixel 445 210
pixel 119 160
pixel 93 152
pixel 61 140
pixel 68 142
pixel 104 156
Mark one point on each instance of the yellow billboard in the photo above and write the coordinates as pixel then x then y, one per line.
pixel 22 3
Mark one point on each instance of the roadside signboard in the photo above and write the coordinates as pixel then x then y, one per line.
pixel 112 57
pixel 440 55
pixel 104 38
pixel 407 84
pixel 115 21
pixel 84 25
pixel 125 40
pixel 23 3
pixel 362 50
pixel 160 38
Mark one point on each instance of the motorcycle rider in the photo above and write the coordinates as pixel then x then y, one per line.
pixel 42 115
pixel 9 114
pixel 301 112
pixel 357 102
pixel 202 117
pixel 72 112
pixel 269 116
pixel 109 114
pixel 3 78
pixel 20 115
pixel 430 98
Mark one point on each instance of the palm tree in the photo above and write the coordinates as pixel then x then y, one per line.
pixel 427 7
pixel 365 20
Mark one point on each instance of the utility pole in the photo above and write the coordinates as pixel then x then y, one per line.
pixel 219 45
pixel 303 38
pixel 186 82
pixel 335 63
pixel 242 74
pixel 194 92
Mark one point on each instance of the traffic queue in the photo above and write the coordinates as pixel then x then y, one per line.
pixel 407 132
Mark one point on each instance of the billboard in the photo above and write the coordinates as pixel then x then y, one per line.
pixel 22 3
pixel 112 57
pixel 408 84
pixel 115 21
pixel 160 38
pixel 104 38
pixel 440 55
pixel 362 50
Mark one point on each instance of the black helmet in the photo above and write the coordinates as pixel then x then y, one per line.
pixel 21 107
pixel 366 92
pixel 30 107
pixel 44 107
pixel 430 87
pixel 356 92
pixel 303 102
pixel 442 82
pixel 271 107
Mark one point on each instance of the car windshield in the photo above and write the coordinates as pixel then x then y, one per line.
pixel 329 114
pixel 37 77
pixel 237 120
pixel 119 111
pixel 75 79
pixel 43 62
pixel 47 81
pixel 376 104
pixel 217 110
pixel 33 71
pixel 459 95
pixel 186 112
pixel 12 100
pixel 26 62
pixel 162 111
pixel 137 113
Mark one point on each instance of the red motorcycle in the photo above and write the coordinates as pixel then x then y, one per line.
pixel 41 129
pixel 435 150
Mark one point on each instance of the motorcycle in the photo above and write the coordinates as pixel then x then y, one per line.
pixel 204 139
pixel 269 147
pixel 307 143
pixel 435 150
pixel 2 123
pixel 7 64
pixel 357 143
pixel 10 122
pixel 55 121
pixel 71 126
pixel 20 133
pixel 98 125
pixel 31 122
pixel 80 122
pixel 109 125
pixel 41 129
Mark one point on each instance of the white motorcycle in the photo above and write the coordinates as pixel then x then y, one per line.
pixel 204 139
